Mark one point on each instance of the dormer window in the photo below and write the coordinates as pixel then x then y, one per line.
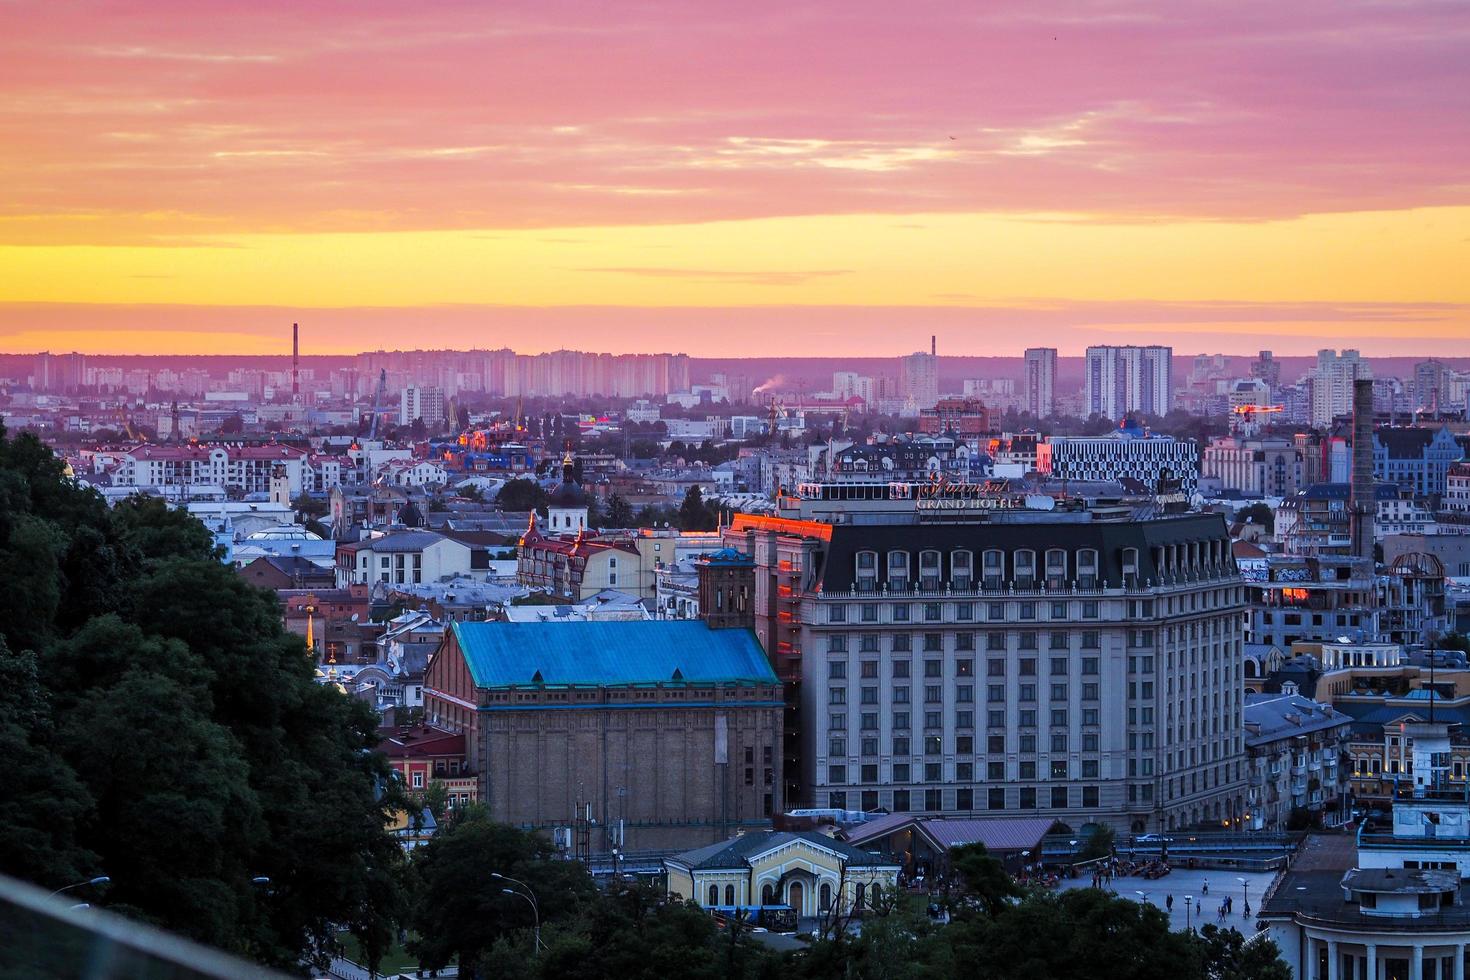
pixel 1056 568
pixel 929 569
pixel 1087 568
pixel 995 568
pixel 898 569
pixel 1025 569
pixel 867 571
pixel 961 569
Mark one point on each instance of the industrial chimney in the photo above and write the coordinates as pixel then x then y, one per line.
pixel 295 362
pixel 1362 504
pixel 933 345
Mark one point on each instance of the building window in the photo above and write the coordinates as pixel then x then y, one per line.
pixel 837 670
pixel 837 613
pixel 933 772
pixel 902 643
pixel 1059 769
pixel 1028 798
pixel 900 801
pixel 837 775
pixel 996 799
pixel 901 772
pixel 1059 797
pixel 932 804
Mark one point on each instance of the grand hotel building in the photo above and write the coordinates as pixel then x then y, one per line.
pixel 1080 664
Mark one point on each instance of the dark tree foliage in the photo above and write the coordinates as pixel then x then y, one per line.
pixel 521 494
pixel 162 728
pixel 694 513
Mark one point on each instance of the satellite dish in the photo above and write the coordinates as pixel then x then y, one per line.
pixel 354 617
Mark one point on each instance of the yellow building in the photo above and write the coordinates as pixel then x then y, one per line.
pixel 805 870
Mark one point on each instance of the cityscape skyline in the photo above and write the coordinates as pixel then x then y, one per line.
pixel 1137 174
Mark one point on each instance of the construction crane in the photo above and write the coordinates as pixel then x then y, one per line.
pixel 378 402
pixel 1246 415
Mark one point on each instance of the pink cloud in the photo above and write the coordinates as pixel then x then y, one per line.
pixel 285 116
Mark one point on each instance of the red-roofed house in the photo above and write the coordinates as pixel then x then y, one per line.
pixel 423 753
pixel 577 567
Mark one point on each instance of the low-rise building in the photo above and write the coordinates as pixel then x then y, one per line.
pixel 806 871
pixel 562 718
pixel 1389 904
pixel 402 557
pixel 1294 745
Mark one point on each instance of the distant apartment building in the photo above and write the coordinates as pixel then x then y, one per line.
pixel 918 380
pixel 248 469
pixel 1120 380
pixel 1294 745
pixel 1162 463
pixel 1266 368
pixel 967 418
pixel 1332 384
pixel 1435 387
pixel 1254 467
pixel 850 384
pixel 1039 384
pixel 402 558
pixel 1061 665
pixel 60 374
pixel 1416 458
pixel 421 403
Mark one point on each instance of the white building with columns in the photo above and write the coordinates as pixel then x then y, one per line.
pixel 1391 908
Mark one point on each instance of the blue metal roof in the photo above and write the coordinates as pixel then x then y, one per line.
pixel 610 654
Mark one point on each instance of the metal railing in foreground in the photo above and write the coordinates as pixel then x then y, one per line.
pixel 43 935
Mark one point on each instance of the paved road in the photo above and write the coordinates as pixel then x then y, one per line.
pixel 1182 882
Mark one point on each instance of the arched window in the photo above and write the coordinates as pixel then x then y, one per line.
pixel 867 571
pixel 729 894
pixel 1087 568
pixel 875 895
pixel 861 894
pixel 714 895
pixel 898 569
pixel 1056 568
pixel 1025 569
pixel 768 895
pixel 825 897
pixel 961 568
pixel 994 568
pixel 929 569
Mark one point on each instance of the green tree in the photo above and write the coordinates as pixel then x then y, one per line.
pixel 1227 956
pixel 983 880
pixel 619 513
pixel 694 514
pixel 521 494
pixel 1258 513
pixel 461 909
pixel 172 734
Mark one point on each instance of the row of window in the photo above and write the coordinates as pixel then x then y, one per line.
pixel 995 640
pixel 933 612
pixel 964 772
pixel 964 718
pixel 965 744
pixel 934 669
pixel 965 799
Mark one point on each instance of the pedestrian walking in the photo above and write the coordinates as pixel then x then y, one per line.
pixel 1220 916
pixel 1229 904
pixel 1205 888
pixel 1169 902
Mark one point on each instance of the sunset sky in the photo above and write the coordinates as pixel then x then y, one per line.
pixel 725 179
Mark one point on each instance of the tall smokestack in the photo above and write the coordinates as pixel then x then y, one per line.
pixel 933 346
pixel 295 362
pixel 1361 503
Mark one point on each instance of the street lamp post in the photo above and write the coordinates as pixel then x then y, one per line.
pixel 1245 888
pixel 99 880
pixel 535 913
pixel 1188 923
pixel 528 895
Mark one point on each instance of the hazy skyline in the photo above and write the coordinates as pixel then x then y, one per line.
pixel 798 179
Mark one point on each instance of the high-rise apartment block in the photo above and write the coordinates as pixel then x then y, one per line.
pixel 1040 381
pixel 1332 383
pixel 1121 380
pixel 421 403
pixel 918 378
pixel 1266 368
pixel 1052 663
